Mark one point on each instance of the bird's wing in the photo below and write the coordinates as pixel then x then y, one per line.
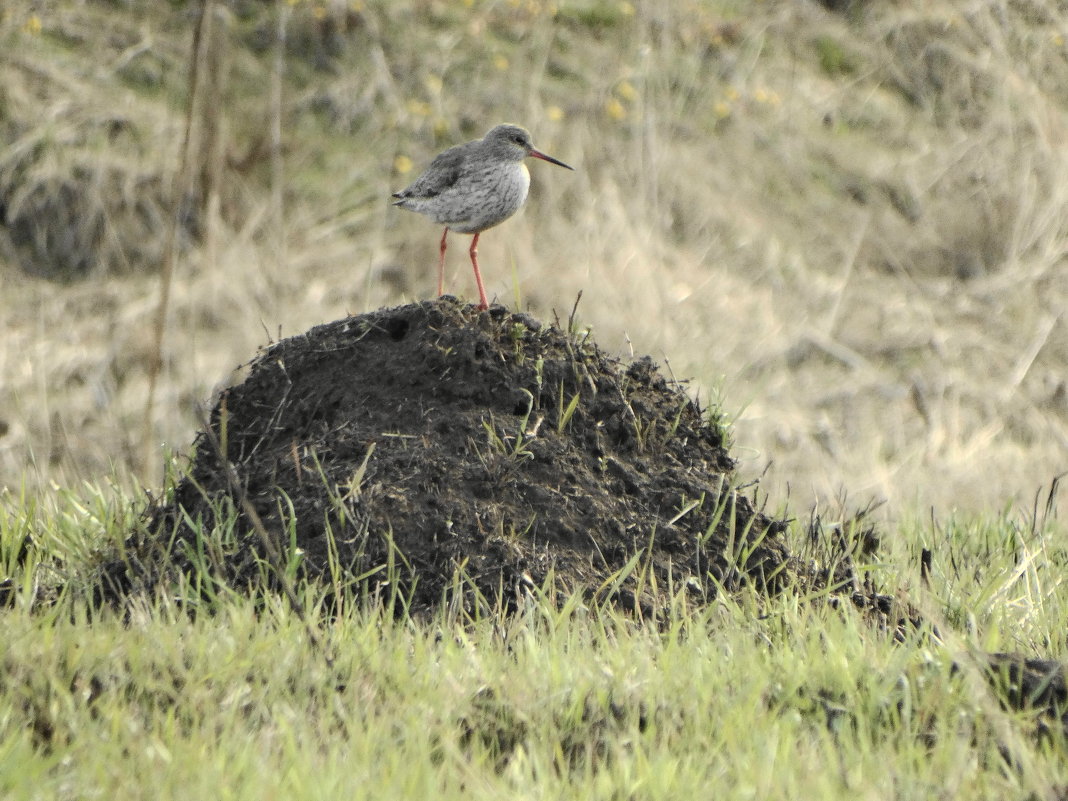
pixel 443 172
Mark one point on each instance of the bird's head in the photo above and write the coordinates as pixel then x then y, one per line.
pixel 514 143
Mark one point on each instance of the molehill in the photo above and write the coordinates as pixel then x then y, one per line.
pixel 432 451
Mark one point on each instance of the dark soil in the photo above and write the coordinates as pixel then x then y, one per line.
pixel 431 446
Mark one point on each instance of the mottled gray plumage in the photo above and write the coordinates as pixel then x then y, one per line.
pixel 474 186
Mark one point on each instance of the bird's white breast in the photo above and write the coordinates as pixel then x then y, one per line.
pixel 488 198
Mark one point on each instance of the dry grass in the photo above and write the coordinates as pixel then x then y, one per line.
pixel 850 228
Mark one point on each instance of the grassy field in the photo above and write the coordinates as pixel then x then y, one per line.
pixel 848 228
pixel 780 698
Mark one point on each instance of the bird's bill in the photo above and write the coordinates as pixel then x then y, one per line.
pixel 539 155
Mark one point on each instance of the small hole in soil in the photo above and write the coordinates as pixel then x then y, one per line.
pixel 521 403
pixel 397 328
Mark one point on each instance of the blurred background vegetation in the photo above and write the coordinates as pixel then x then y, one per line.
pixel 846 222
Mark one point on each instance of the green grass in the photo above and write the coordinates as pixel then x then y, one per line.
pixel 781 698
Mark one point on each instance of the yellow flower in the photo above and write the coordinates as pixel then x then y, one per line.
pixel 554 113
pixel 722 109
pixel 500 62
pixel 419 108
pixel 33 25
pixel 626 90
pixel 626 9
pixel 432 83
pixel 615 109
pixel 731 93
pixel 769 96
pixel 402 165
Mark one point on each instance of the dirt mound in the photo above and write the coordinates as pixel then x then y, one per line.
pixel 430 447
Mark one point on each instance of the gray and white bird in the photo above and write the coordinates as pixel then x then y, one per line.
pixel 474 186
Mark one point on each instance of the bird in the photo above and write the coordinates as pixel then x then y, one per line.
pixel 474 186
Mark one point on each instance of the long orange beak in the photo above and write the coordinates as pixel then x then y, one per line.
pixel 539 155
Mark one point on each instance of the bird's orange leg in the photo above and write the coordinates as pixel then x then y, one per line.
pixel 441 265
pixel 482 303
